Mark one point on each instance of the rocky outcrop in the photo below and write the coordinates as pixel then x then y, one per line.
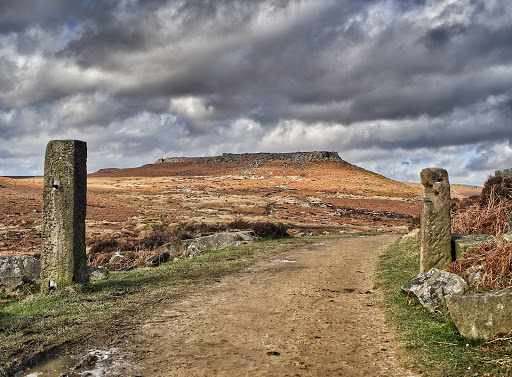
pixel 19 270
pixel 481 316
pixel 256 159
pixel 192 247
pixel 465 243
pixel 433 287
pixel 170 159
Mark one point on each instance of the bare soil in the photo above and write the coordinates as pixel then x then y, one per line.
pixel 309 312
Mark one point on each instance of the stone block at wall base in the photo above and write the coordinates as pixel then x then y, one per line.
pixel 482 315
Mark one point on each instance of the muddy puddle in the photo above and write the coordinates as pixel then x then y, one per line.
pixel 96 363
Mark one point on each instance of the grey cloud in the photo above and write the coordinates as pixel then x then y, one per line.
pixel 398 76
pixel 15 16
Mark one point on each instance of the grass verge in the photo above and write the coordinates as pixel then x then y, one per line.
pixel 84 316
pixel 431 342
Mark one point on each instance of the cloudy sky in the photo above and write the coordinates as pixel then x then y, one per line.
pixel 393 86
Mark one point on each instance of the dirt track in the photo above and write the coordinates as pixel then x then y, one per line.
pixel 309 312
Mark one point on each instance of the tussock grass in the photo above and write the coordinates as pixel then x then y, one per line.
pixel 431 342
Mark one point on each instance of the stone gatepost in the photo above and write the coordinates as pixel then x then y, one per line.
pixel 63 258
pixel 435 227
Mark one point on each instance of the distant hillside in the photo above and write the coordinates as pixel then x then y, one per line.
pixel 311 171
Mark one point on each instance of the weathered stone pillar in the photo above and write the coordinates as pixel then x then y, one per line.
pixel 435 227
pixel 63 258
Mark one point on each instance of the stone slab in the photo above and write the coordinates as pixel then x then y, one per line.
pixel 465 243
pixel 482 315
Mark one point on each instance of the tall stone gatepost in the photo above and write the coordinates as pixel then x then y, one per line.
pixel 435 227
pixel 63 257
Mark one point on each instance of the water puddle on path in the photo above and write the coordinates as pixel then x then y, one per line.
pixel 97 363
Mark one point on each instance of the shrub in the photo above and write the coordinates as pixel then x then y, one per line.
pixel 489 218
pixel 495 257
pixel 104 246
pixel 264 229
pixel 498 186
pixel 270 230
pixel 158 237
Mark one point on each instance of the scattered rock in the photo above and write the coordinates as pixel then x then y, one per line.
pixel 475 274
pixel 97 273
pixel 158 259
pixel 482 315
pixel 304 234
pixel 432 287
pixel 465 243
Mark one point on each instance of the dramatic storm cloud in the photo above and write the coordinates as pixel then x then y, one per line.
pixel 393 86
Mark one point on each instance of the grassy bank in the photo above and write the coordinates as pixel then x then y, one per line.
pixel 431 342
pixel 74 319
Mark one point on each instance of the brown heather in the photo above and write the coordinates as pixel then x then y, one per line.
pixel 488 214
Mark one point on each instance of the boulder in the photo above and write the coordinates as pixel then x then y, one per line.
pixel 194 246
pixel 465 243
pixel 482 315
pixel 432 287
pixel 158 259
pixel 19 270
